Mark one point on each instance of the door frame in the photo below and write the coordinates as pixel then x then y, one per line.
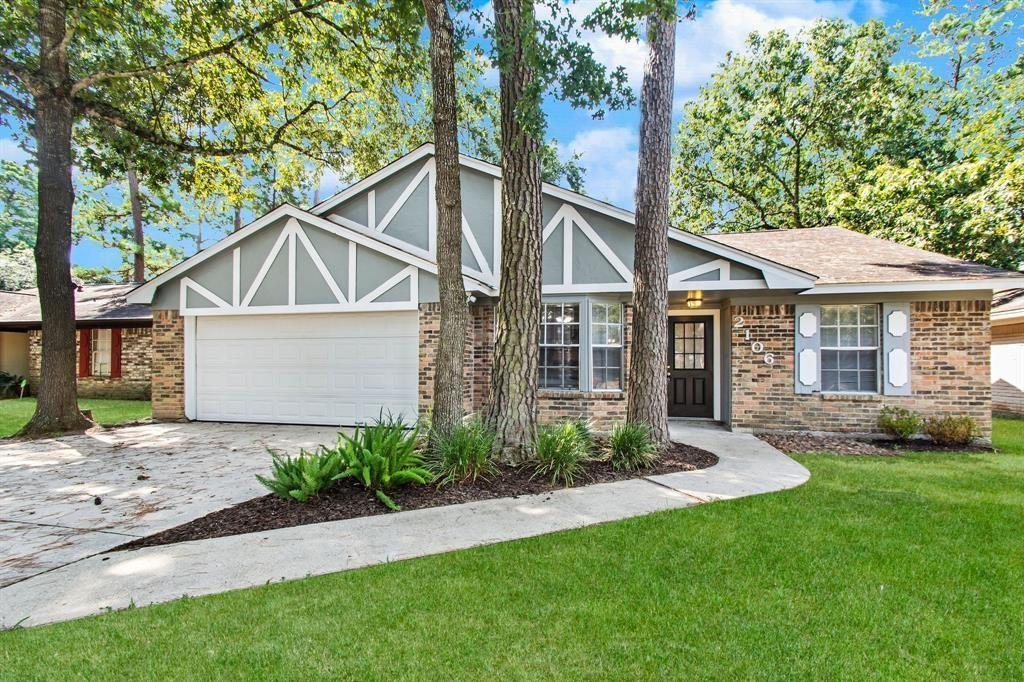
pixel 716 352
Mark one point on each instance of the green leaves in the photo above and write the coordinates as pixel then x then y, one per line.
pixel 303 477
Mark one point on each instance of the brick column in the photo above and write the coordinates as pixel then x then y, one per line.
pixel 168 362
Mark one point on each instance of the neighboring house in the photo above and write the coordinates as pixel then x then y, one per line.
pixel 330 316
pixel 113 340
pixel 1008 352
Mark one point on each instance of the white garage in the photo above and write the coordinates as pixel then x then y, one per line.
pixel 331 369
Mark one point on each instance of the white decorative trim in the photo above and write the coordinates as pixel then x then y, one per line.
pixel 351 271
pixel 291 262
pixel 897 375
pixel 980 285
pixel 388 285
pixel 188 283
pixel 371 209
pixel 432 208
pixel 265 268
pixel 716 360
pixel 320 265
pixel 424 172
pixel 189 352
pixel 474 248
pixel 602 247
pixel 303 309
pixel 553 223
pixel 896 325
pixel 496 218
pixel 721 265
pixel 236 275
pixel 808 366
pixel 808 325
pixel 567 250
pixel 372 179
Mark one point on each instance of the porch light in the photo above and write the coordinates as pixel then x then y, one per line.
pixel 694 299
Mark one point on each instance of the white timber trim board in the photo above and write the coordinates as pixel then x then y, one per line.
pixel 320 266
pixel 424 173
pixel 372 179
pixel 189 352
pixel 388 285
pixel 357 307
pixel 716 342
pixel 188 284
pixel 979 285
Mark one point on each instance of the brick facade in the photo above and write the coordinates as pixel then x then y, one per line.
pixel 136 373
pixel 604 408
pixel 168 359
pixel 950 373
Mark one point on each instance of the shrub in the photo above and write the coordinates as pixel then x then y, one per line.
pixel 951 430
pixel 561 451
pixel 630 447
pixel 383 456
pixel 12 384
pixel 467 453
pixel 585 430
pixel 304 476
pixel 899 422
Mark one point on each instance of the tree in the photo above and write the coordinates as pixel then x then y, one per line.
pixel 648 402
pixel 294 65
pixel 451 341
pixel 534 56
pixel 18 200
pixel 17 269
pixel 779 129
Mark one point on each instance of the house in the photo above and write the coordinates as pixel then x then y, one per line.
pixel 1008 352
pixel 330 315
pixel 113 340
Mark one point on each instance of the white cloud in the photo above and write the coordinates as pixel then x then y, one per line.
pixel 609 155
pixel 10 151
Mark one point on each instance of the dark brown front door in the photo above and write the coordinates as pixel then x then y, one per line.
pixel 690 372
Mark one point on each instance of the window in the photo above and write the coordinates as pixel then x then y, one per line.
pixel 606 346
pixel 100 346
pixel 689 345
pixel 560 346
pixel 849 348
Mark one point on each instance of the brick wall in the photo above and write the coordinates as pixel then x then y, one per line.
pixel 168 359
pixel 134 382
pixel 950 373
pixel 603 407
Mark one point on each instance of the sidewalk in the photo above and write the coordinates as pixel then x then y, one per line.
pixel 747 466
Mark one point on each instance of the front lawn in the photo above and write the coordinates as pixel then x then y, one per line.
pixel 879 567
pixel 14 413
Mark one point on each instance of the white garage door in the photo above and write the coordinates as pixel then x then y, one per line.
pixel 307 369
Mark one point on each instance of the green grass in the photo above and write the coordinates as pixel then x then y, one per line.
pixel 14 413
pixel 881 567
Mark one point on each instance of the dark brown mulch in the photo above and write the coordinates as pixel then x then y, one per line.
pixel 794 442
pixel 348 500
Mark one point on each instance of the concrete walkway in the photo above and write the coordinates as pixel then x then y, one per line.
pixel 747 466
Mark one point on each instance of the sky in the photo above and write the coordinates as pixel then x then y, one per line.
pixel 608 147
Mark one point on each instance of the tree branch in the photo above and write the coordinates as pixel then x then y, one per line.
pixel 21 73
pixel 16 103
pixel 188 60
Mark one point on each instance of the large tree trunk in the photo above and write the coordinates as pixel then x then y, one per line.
pixel 57 406
pixel 138 236
pixel 451 342
pixel 512 408
pixel 648 399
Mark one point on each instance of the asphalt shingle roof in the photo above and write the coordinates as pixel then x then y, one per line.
pixel 93 303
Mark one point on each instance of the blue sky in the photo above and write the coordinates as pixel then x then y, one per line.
pixel 609 146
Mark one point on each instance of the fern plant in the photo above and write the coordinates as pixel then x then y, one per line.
pixel 464 454
pixel 382 456
pixel 303 477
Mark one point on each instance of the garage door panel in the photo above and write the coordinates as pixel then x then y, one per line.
pixel 313 369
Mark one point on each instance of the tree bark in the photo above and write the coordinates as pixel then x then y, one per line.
pixel 238 219
pixel 648 398
pixel 451 341
pixel 512 405
pixel 138 236
pixel 57 405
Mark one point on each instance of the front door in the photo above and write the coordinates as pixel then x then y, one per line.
pixel 690 370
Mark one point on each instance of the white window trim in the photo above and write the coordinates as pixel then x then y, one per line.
pixel 716 351
pixel 877 348
pixel 581 306
pixel 94 337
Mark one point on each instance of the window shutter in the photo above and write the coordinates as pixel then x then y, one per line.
pixel 84 352
pixel 896 348
pixel 807 360
pixel 115 353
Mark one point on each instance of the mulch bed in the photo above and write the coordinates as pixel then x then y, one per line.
pixel 348 500
pixel 794 442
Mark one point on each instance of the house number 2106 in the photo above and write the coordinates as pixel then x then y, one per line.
pixel 756 347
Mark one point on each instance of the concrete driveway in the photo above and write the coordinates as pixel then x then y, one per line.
pixel 65 499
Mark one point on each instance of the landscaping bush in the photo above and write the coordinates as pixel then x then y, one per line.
pixel 951 430
pixel 585 430
pixel 899 422
pixel 561 451
pixel 12 385
pixel 383 456
pixel 304 476
pixel 630 447
pixel 465 454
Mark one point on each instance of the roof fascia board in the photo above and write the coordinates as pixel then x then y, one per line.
pixel 372 179
pixel 987 285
